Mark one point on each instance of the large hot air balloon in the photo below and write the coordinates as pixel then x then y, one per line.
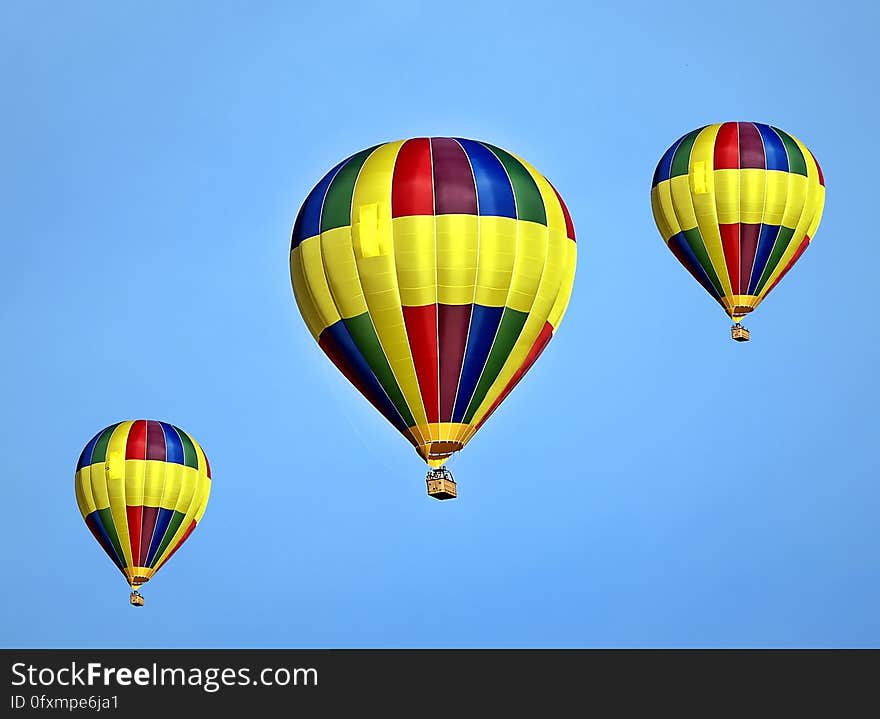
pixel 142 486
pixel 738 203
pixel 433 272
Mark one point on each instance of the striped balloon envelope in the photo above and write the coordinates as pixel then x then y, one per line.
pixel 142 487
pixel 738 203
pixel 433 272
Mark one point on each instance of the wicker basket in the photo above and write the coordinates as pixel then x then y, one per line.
pixel 740 334
pixel 443 488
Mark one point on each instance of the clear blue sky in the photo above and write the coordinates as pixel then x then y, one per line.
pixel 650 483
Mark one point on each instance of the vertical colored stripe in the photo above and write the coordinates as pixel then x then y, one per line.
pixel 336 211
pixel 682 156
pixel 342 351
pixel 751 148
pixel 494 191
pixel 698 247
pixel 663 171
pixel 103 519
pixel 569 225
pixel 730 243
pixel 421 330
pixel 683 251
pixel 99 454
pixel 190 458
pixel 136 444
pixel 774 151
pixel 766 240
pixel 412 191
pixel 308 220
pixel 819 170
pixel 84 493
pixel 162 522
pixel 795 257
pixel 364 335
pixel 540 343
pixel 454 188
pixel 796 161
pixel 511 325
pixel 779 246
pixel 134 515
pixel 99 531
pixel 189 531
pixel 726 155
pixel 173 444
pixel 748 246
pixel 452 327
pixel 484 325
pixel 529 203
pixel 155 441
pixel 173 524
pixel 85 458
pixel 148 529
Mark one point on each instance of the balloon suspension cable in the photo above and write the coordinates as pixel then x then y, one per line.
pixel 440 483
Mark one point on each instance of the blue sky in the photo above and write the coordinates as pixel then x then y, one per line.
pixel 650 483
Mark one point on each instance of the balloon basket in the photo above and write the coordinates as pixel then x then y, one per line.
pixel 739 333
pixel 440 484
pixel 136 599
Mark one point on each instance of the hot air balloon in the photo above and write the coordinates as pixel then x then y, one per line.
pixel 142 487
pixel 433 272
pixel 738 203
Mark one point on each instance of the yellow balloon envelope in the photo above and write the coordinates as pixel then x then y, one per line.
pixel 433 272
pixel 738 203
pixel 142 487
